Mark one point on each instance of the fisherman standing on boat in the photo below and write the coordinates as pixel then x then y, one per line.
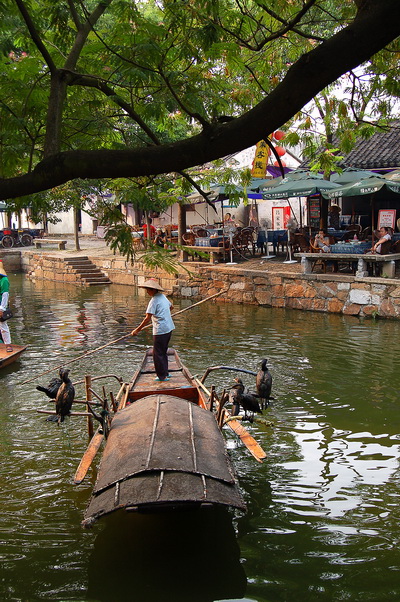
pixel 4 289
pixel 159 313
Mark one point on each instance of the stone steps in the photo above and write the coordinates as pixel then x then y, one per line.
pixel 88 273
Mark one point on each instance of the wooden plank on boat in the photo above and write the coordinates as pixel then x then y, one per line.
pixel 180 385
pixel 88 457
pixel 254 448
pixel 6 357
pixel 147 366
pixel 162 432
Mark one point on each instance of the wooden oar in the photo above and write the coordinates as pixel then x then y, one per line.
pixel 116 340
pixel 88 457
pixel 254 448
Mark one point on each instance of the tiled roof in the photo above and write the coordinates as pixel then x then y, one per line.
pixel 382 150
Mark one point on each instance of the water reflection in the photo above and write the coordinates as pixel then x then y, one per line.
pixel 170 557
pixel 323 513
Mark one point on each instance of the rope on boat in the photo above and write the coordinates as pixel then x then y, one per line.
pixel 117 340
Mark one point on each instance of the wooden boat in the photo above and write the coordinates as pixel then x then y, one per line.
pixel 165 449
pixel 6 357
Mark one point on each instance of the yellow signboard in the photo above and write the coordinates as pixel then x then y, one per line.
pixel 259 167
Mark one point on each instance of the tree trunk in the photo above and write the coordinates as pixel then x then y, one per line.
pixel 148 233
pixel 181 223
pixel 76 229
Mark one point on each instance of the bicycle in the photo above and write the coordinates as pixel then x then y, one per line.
pixel 15 238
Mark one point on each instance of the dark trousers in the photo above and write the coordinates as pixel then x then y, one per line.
pixel 160 355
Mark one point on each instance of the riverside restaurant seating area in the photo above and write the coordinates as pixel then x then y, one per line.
pixel 216 244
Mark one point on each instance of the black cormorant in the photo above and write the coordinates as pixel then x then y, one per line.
pixel 264 384
pixel 239 397
pixel 52 387
pixel 65 396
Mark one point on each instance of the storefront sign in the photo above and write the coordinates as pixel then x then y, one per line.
pixel 386 218
pixel 280 217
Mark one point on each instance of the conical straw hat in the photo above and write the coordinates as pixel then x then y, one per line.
pixel 151 283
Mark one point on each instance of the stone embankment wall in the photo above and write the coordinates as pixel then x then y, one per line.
pixel 369 297
pixel 11 261
pixel 48 267
pixel 333 293
pixel 44 266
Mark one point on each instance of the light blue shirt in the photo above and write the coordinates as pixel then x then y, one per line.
pixel 159 308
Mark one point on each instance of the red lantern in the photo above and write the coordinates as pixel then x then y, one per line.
pixel 277 164
pixel 280 150
pixel 278 135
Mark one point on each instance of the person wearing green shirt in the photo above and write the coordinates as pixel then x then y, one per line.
pixel 4 292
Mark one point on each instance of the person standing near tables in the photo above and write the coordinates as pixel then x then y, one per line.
pixel 334 216
pixel 4 294
pixel 152 229
pixel 159 313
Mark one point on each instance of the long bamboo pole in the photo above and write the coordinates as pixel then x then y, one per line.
pixel 117 340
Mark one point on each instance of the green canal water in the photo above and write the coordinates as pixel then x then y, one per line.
pixel 323 519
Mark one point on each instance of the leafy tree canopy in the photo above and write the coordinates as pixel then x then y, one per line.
pixel 117 89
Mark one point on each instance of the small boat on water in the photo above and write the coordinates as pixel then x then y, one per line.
pixel 7 357
pixel 164 447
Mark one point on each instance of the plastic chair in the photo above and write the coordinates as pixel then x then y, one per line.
pixel 315 249
pixel 189 238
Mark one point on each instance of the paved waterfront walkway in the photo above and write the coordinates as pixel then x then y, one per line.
pixel 96 247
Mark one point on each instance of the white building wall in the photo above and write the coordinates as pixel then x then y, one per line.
pixel 66 223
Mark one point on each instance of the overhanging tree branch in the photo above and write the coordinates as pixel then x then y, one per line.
pixel 370 31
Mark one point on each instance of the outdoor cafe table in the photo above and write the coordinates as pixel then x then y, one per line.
pixel 351 253
pixel 275 237
pixel 214 246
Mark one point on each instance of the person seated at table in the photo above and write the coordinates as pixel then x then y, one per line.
pixel 228 220
pixel 160 238
pixel 321 241
pixel 385 236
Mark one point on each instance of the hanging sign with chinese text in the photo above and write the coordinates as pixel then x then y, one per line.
pixel 280 217
pixel 259 167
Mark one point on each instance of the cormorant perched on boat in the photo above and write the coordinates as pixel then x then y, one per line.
pixel 65 396
pixel 264 384
pixel 103 418
pixel 239 397
pixel 52 387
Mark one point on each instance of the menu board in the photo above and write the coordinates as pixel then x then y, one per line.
pixel 386 218
pixel 314 209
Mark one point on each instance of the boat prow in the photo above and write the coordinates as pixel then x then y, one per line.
pixel 6 357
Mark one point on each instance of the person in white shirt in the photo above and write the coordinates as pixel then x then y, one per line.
pixel 384 234
pixel 159 313
pixel 322 241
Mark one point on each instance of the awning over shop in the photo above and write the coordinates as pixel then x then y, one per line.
pixel 298 184
pixel 362 187
pixel 350 174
